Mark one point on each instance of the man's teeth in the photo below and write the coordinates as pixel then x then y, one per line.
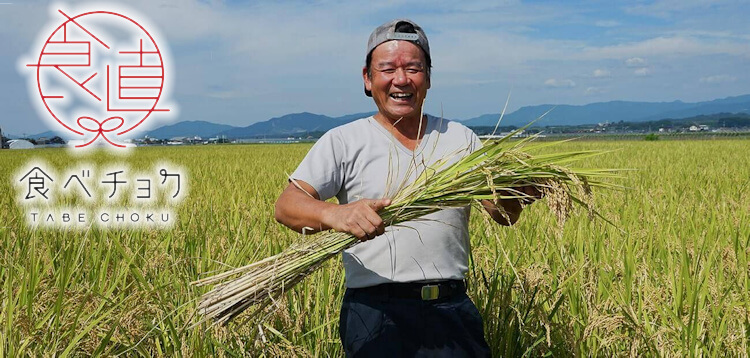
pixel 401 95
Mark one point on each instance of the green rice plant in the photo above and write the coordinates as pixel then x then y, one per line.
pixel 672 277
pixel 493 172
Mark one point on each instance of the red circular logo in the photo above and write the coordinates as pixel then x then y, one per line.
pixel 100 74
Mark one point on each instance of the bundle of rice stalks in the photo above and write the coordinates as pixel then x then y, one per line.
pixel 496 171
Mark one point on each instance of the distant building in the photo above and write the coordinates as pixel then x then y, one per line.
pixel 176 140
pixel 520 134
pixel 698 128
pixel 20 144
pixel 55 141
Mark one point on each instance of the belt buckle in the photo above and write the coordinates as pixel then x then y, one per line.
pixel 430 292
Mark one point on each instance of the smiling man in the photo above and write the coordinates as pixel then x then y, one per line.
pixel 405 285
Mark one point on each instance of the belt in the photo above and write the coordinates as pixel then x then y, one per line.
pixel 425 291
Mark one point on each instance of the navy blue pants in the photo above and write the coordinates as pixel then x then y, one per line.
pixel 394 327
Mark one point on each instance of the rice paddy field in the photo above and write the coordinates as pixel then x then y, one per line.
pixel 671 278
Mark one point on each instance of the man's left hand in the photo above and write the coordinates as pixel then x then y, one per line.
pixel 511 208
pixel 532 194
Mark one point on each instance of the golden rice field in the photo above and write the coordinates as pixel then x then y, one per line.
pixel 671 279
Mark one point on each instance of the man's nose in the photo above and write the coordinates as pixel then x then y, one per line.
pixel 400 78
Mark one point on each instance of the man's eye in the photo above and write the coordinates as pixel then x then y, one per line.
pixel 388 70
pixel 414 70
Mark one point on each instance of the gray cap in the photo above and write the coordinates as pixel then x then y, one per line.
pixel 387 32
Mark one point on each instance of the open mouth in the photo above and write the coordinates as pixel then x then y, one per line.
pixel 400 96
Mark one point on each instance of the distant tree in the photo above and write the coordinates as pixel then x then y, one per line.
pixel 56 140
pixel 735 122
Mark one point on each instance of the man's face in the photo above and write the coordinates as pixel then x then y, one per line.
pixel 399 79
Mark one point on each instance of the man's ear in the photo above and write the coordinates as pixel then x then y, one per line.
pixel 366 79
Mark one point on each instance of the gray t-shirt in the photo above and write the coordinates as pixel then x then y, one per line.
pixel 362 160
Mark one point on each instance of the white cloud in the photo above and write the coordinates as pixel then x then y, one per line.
pixel 594 91
pixel 711 34
pixel 552 82
pixel 669 8
pixel 607 23
pixel 643 71
pixel 601 72
pixel 718 79
pixel 462 50
pixel 635 62
pixel 667 47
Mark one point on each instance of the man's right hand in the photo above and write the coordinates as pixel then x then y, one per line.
pixel 299 207
pixel 359 218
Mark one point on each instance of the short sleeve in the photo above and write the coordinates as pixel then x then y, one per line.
pixel 322 167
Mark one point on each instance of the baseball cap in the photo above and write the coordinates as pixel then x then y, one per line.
pixel 399 29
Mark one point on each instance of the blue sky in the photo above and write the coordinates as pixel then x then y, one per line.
pixel 239 62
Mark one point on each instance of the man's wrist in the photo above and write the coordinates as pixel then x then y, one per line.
pixel 326 215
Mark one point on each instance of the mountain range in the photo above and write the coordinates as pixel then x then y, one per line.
pixel 304 123
pixel 287 125
pixel 615 111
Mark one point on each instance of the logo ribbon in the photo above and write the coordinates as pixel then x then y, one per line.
pixel 100 130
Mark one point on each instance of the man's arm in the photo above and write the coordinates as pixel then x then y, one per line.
pixel 298 210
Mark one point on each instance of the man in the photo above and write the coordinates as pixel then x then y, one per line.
pixel 405 291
